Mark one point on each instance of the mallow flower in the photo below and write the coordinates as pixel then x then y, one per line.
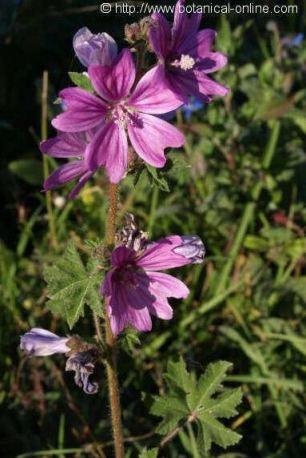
pixel 81 357
pixel 135 288
pixel 91 48
pixel 40 342
pixel 184 54
pixel 120 111
pixel 68 146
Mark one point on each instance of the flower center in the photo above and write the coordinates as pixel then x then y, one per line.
pixel 122 115
pixel 186 62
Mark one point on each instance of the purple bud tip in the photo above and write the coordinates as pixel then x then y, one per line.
pixel 92 49
pixel 192 248
pixel 40 342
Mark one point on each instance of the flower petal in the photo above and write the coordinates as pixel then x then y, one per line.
pixel 162 309
pixel 166 285
pixel 195 83
pixel 121 255
pixel 151 135
pixel 209 87
pixel 205 40
pixel 212 62
pixel 184 26
pixel 64 145
pixel 82 181
pixel 84 111
pixel 64 173
pixel 160 35
pixel 160 255
pixel 122 313
pixel 153 95
pixel 114 83
pixel 109 148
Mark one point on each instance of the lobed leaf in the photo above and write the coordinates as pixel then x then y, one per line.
pixel 203 402
pixel 71 285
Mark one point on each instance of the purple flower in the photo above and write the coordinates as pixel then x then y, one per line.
pixel 67 146
pixel 83 364
pixel 120 112
pixel 184 54
pixel 40 342
pixel 135 289
pixel 81 357
pixel 94 49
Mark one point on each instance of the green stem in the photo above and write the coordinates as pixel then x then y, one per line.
pixel 249 210
pixel 154 202
pixel 44 134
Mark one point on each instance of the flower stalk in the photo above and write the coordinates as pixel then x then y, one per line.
pixel 110 340
pixel 44 134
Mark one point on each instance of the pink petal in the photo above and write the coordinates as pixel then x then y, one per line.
pixel 82 181
pixel 209 87
pixel 116 306
pixel 84 111
pixel 64 145
pixel 109 148
pixel 212 62
pixel 162 309
pixel 153 95
pixel 118 323
pixel 199 43
pixel 184 83
pixel 160 35
pixel 140 319
pixel 195 83
pixel 167 285
pixel 160 255
pixel 150 136
pixel 75 97
pixel 122 310
pixel 114 83
pixel 121 255
pixel 184 26
pixel 205 40
pixel 64 173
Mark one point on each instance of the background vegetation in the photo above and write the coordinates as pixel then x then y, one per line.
pixel 244 194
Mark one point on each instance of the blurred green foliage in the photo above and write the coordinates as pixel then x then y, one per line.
pixel 243 192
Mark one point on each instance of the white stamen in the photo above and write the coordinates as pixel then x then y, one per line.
pixel 187 62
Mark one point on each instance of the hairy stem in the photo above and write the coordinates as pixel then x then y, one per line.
pixel 110 340
pixel 44 134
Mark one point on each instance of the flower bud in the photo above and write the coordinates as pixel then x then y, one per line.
pixel 91 49
pixel 191 248
pixel 40 342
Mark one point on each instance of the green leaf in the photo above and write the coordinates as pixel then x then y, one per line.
pixel 81 81
pixel 29 170
pixel 71 285
pixel 157 178
pixel 202 402
pixel 208 384
pixel 212 431
pixel 149 453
